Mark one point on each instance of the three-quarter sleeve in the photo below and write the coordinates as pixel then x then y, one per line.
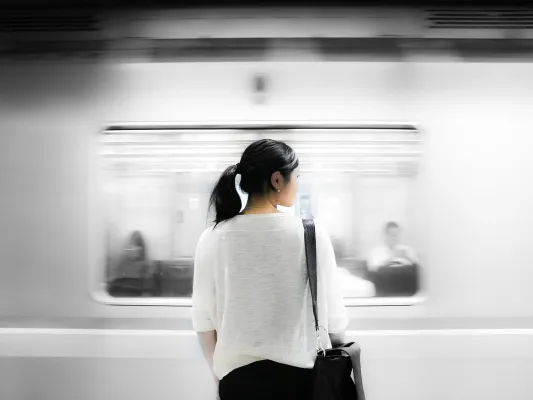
pixel 203 295
pixel 336 309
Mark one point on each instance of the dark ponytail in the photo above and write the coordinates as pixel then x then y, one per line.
pixel 258 162
pixel 225 197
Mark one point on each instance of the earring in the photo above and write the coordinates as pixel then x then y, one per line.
pixel 279 190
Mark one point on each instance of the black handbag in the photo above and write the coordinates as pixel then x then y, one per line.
pixel 332 372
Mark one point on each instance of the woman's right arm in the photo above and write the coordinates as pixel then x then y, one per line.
pixel 203 300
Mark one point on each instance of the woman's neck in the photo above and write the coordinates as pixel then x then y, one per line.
pixel 260 205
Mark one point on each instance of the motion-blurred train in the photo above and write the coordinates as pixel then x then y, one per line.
pixel 112 136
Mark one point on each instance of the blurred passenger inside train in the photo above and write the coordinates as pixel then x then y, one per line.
pixel 132 275
pixel 251 302
pixel 392 253
pixel 393 266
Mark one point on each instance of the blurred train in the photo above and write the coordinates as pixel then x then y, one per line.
pixel 107 156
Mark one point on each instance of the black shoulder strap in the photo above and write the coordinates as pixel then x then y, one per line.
pixel 310 256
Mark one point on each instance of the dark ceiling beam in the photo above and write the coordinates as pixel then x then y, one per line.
pixel 150 4
pixel 260 49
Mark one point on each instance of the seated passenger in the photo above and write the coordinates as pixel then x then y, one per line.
pixel 132 277
pixel 392 253
pixel 393 267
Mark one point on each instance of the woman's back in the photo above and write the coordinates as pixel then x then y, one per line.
pixel 258 297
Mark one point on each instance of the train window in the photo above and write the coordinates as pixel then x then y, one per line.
pixel 361 181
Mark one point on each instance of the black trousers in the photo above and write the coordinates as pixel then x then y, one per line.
pixel 264 380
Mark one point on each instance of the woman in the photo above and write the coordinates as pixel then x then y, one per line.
pixel 251 302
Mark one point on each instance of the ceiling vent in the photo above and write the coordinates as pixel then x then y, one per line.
pixel 42 33
pixel 479 19
pixel 15 22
